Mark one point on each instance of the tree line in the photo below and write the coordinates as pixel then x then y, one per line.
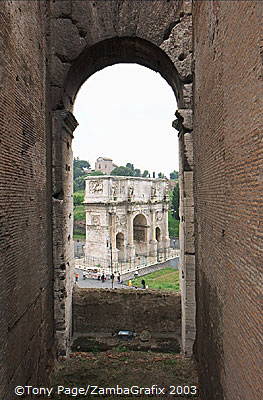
pixel 80 173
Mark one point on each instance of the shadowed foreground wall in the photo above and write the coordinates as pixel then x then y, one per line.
pixel 26 298
pixel 107 311
pixel 228 146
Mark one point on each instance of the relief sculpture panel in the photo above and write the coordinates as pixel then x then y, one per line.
pixel 95 220
pixel 96 186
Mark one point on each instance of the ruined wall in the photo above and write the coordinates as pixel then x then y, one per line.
pixel 26 292
pixel 107 311
pixel 228 194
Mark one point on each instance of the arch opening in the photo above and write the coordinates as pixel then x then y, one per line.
pixel 140 237
pixel 92 59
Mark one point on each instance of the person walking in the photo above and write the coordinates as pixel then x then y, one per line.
pixel 76 277
pixel 102 278
pixel 112 280
pixel 143 284
pixel 119 278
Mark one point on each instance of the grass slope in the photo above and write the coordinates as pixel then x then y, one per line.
pixel 164 279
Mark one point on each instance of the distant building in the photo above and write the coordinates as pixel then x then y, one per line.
pixel 126 222
pixel 105 165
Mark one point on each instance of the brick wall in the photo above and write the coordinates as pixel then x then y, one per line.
pixel 26 298
pixel 228 195
pixel 106 311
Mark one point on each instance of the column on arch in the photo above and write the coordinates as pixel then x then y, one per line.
pixel 113 233
pixel 130 246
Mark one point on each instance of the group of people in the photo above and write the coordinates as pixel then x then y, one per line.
pixel 103 277
pixel 112 277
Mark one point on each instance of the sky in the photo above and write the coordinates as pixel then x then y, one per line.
pixel 125 112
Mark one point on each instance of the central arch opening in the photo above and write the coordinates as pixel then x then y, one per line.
pixel 93 59
pixel 123 110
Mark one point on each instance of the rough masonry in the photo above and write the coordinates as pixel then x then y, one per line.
pixel 135 310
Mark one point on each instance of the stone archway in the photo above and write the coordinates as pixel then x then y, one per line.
pixel 86 37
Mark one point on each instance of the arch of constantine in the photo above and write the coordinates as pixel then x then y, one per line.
pixel 126 222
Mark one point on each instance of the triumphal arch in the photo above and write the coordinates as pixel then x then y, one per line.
pixel 126 222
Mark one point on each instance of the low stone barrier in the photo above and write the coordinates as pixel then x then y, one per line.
pixel 101 314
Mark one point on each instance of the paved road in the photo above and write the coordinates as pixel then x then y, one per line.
pixel 94 283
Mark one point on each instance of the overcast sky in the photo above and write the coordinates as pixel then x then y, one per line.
pixel 125 112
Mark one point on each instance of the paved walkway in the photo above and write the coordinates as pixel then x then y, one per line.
pixel 95 283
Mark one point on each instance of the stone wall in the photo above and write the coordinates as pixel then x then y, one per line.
pixel 26 287
pixel 228 193
pixel 107 311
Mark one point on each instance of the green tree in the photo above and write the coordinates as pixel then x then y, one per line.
pixel 78 198
pixel 79 183
pixel 122 171
pixel 161 175
pixel 175 202
pixel 137 172
pixel 77 172
pixel 174 175
pixel 173 225
pixel 145 173
pixel 131 166
pixel 81 163
pixel 78 167
pixel 95 173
